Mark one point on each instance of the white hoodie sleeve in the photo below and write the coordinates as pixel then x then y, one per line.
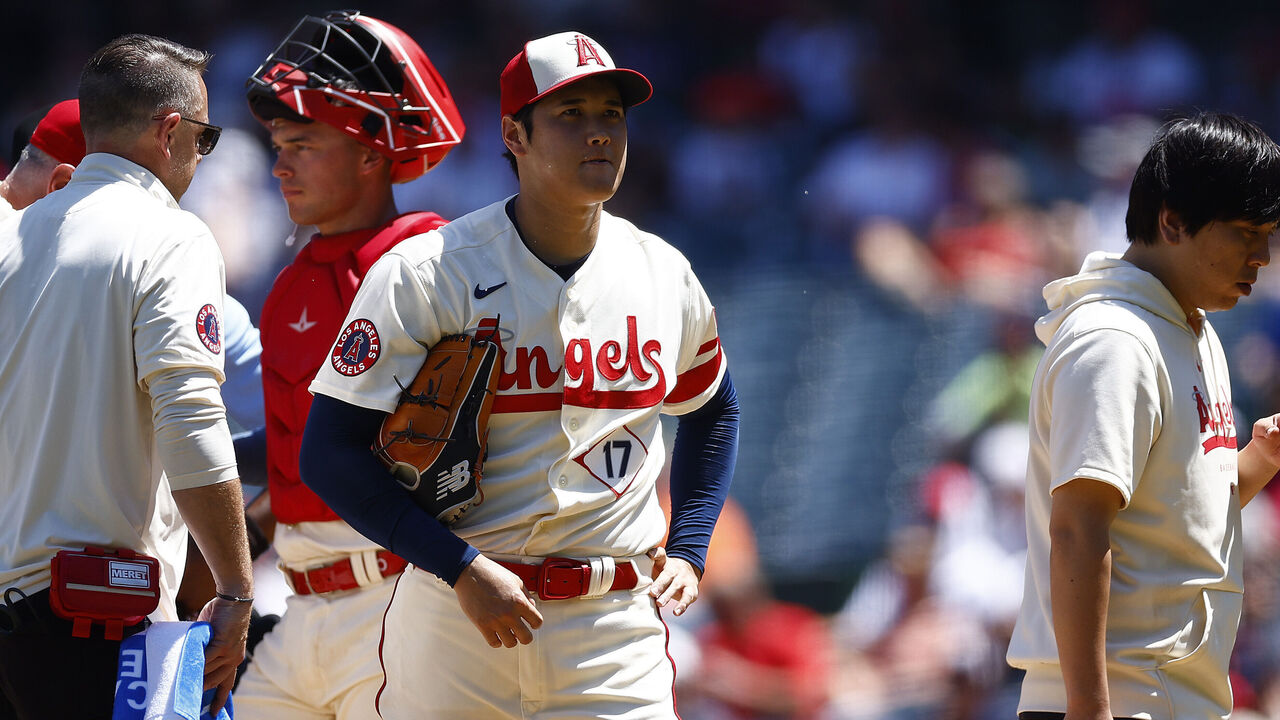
pixel 1105 408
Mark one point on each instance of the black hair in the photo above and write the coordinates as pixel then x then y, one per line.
pixel 1209 167
pixel 523 116
pixel 133 77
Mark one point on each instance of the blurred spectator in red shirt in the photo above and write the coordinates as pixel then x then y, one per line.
pixel 761 657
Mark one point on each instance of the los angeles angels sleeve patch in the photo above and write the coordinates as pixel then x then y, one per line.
pixel 357 348
pixel 208 329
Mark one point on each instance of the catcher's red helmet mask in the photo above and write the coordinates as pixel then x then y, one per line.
pixel 367 78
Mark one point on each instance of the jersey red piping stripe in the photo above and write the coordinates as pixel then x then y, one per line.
pixel 528 402
pixel 602 399
pixel 382 641
pixel 666 647
pixel 615 399
pixel 713 342
pixel 694 382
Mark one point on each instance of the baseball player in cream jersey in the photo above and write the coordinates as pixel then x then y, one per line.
pixel 602 327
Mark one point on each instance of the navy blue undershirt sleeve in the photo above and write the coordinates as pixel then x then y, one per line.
pixel 336 463
pixel 702 459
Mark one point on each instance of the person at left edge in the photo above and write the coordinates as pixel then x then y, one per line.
pixel 46 160
pixel 112 429
pixel 353 106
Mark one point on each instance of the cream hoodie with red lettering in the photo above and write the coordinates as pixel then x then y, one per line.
pixel 1128 394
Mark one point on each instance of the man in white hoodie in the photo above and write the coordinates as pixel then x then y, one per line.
pixel 1134 481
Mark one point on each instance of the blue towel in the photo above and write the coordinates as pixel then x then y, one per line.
pixel 161 675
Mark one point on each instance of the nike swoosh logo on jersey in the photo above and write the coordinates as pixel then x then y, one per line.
pixel 482 294
pixel 303 324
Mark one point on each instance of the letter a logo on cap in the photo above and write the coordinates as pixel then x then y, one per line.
pixel 587 51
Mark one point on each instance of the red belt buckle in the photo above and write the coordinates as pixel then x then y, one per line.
pixel 562 578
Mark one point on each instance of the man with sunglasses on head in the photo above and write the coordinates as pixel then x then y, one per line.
pixel 113 433
pixel 353 106
pixel 51 152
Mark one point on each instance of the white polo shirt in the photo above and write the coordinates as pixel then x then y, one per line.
pixel 105 286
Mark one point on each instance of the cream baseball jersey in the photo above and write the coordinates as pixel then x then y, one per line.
pixel 575 443
pixel 104 285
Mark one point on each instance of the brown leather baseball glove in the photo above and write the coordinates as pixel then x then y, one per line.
pixel 434 442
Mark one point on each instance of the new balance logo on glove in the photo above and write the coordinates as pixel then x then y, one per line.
pixel 453 480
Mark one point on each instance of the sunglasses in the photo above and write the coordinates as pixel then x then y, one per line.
pixel 208 137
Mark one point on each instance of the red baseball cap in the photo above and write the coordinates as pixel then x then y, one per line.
pixel 548 64
pixel 59 135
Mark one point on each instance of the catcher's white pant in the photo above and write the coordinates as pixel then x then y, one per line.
pixel 320 662
pixel 592 658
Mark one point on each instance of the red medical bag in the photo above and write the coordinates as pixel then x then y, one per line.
pixel 115 588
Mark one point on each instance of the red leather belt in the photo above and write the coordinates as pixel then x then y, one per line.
pixel 563 578
pixel 339 575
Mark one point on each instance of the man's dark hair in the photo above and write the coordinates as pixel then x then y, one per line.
pixel 1206 168
pixel 523 116
pixel 135 77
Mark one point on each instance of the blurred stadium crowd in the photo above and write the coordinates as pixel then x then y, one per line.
pixel 874 194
